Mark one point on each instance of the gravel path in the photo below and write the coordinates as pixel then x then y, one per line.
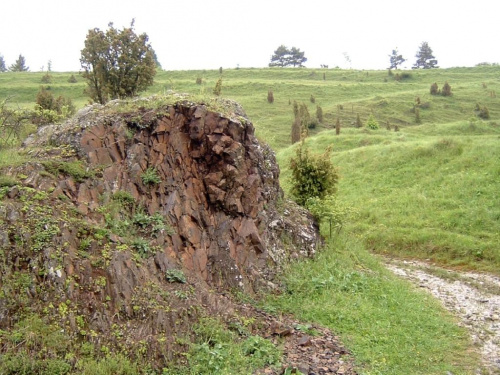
pixel 473 297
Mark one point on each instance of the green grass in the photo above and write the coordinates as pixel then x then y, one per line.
pixel 390 327
pixel 428 191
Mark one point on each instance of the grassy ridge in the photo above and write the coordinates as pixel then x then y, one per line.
pixel 429 191
pixel 362 92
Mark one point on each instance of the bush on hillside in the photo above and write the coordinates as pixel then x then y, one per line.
pixel 47 78
pixel 313 175
pixel 446 91
pixel 50 110
pixel 482 112
pixel 359 124
pixel 218 87
pixel 372 123
pixel 270 96
pixel 319 113
pixel 434 89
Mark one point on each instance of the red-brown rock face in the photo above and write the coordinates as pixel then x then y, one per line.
pixel 216 186
pixel 134 219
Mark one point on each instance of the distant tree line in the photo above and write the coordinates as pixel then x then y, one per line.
pixel 18 66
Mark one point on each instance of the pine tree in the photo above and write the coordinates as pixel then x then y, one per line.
pixel 425 58
pixel 19 65
pixel 3 68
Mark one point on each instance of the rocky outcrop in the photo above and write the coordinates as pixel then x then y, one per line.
pixel 133 212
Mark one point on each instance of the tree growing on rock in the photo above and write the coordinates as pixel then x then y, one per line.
pixel 117 63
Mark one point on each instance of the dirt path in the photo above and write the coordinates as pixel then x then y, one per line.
pixel 474 298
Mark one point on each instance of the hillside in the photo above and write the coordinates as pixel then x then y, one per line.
pixel 427 190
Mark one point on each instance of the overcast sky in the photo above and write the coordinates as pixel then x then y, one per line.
pixel 205 34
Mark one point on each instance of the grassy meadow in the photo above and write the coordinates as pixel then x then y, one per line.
pixel 429 190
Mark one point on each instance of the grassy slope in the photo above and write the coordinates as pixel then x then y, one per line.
pixel 427 191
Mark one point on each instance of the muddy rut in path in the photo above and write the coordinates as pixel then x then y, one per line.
pixel 473 297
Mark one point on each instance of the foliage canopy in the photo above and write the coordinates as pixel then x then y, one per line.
pixel 117 64
pixel 283 56
pixel 425 58
pixel 395 59
pixel 19 65
pixel 314 176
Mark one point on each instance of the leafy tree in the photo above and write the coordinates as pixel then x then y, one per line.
pixel 280 57
pixel 3 68
pixel 117 64
pixel 396 59
pixel 313 175
pixel 297 57
pixel 425 58
pixel 19 65
pixel 283 57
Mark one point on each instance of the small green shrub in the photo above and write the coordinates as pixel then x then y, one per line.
pixel 175 276
pixel 72 79
pixel 313 175
pixel 262 350
pixel 47 78
pixel 372 123
pixel 124 198
pixel 150 176
pixel 142 247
